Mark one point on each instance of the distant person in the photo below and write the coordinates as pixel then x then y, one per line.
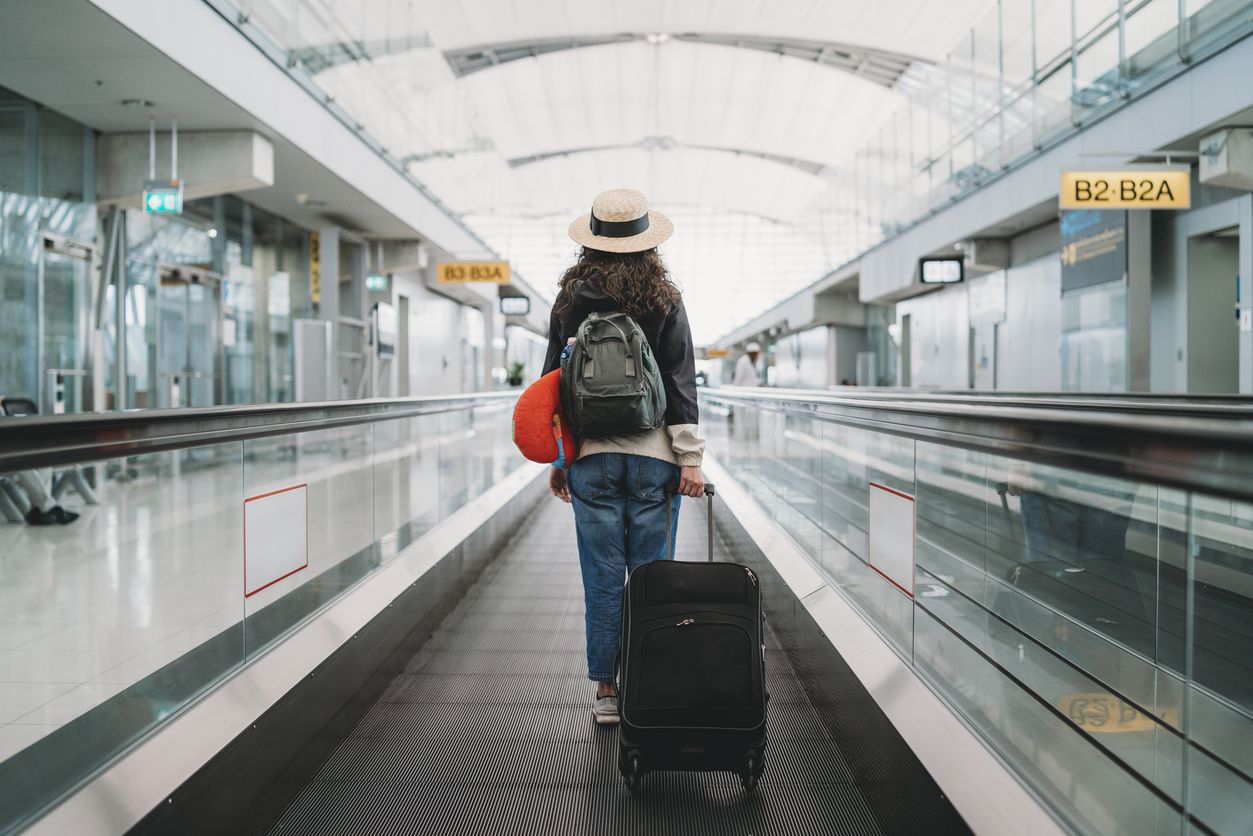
pixel 44 509
pixel 620 485
pixel 746 373
pixel 34 497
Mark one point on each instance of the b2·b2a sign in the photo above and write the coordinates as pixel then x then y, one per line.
pixel 1131 189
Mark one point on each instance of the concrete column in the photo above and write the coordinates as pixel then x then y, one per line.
pixel 1246 293
pixel 494 328
pixel 327 308
pixel 1139 299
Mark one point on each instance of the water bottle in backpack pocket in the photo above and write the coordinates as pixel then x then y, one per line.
pixel 610 383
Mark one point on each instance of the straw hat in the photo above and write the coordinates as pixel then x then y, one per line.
pixel 621 223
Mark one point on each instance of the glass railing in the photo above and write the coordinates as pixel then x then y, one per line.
pixel 1028 74
pixel 209 536
pixel 1081 587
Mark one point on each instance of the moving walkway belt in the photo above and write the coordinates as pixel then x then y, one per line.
pixel 489 730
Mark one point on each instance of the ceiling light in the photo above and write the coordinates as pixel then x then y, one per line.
pixel 657 37
pixel 137 104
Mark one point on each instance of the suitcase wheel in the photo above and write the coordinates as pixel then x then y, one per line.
pixel 632 769
pixel 751 771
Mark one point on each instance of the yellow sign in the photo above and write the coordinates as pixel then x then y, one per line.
pixel 459 272
pixel 715 353
pixel 1132 189
pixel 1106 714
pixel 315 268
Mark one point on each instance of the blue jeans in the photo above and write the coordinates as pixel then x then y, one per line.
pixel 620 515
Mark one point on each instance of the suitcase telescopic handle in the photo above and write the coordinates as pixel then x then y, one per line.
pixel 670 492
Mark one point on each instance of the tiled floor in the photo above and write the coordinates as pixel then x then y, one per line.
pixel 156 568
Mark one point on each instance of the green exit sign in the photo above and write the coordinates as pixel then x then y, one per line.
pixel 376 283
pixel 163 197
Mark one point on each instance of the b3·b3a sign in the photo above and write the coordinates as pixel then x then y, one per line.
pixel 1131 189
pixel 460 272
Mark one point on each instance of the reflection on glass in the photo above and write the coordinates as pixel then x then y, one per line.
pixel 115 621
pixel 1097 631
pixel 407 480
pixel 111 624
pixel 1094 338
pixel 336 469
pixel 1219 698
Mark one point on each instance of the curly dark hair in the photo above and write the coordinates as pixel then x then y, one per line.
pixel 638 282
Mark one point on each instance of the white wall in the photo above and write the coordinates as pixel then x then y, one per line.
pixel 1177 330
pixel 1028 342
pixel 436 328
pixel 939 338
pixel 801 359
pixel 525 347
pixel 848 342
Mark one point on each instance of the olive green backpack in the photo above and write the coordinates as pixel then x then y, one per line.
pixel 610 383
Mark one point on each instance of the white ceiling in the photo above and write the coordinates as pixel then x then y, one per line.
pixel 744 147
pixel 924 28
pixel 726 138
pixel 699 94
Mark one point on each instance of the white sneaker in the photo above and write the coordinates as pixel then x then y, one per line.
pixel 605 711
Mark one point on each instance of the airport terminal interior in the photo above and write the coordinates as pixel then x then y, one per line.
pixel 966 319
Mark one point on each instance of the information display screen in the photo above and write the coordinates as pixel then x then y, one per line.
pixel 515 305
pixel 941 270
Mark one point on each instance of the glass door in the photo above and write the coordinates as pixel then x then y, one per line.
pixel 189 336
pixel 66 274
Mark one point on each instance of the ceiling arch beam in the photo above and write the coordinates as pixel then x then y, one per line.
pixel 876 65
pixel 879 66
pixel 666 143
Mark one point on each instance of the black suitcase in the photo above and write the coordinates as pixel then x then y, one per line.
pixel 692 690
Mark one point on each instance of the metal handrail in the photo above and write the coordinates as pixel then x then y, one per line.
pixel 1167 403
pixel 1203 448
pixel 49 441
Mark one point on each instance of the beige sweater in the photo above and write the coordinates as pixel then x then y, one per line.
pixel 681 444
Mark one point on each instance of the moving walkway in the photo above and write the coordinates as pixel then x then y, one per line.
pixel 419 667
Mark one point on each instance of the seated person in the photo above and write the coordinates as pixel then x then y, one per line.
pixel 43 509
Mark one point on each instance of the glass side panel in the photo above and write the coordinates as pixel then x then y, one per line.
pixel 185 565
pixel 1097 631
pixel 322 482
pixel 1219 661
pixel 116 620
pixel 1152 41
pixel 1094 338
pixel 407 479
pixel 1057 760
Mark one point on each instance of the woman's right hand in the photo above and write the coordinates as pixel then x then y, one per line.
pixel 691 481
pixel 558 484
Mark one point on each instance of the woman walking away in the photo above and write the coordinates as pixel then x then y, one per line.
pixel 621 483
